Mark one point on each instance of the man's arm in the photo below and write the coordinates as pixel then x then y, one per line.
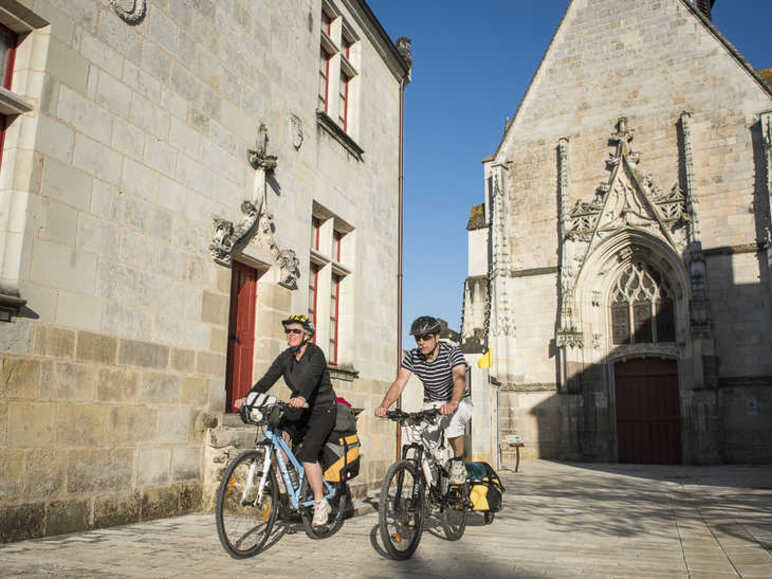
pixel 459 386
pixel 394 391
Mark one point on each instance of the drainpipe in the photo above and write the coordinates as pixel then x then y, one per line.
pixel 400 187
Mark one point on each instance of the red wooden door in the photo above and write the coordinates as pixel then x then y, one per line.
pixel 648 411
pixel 241 332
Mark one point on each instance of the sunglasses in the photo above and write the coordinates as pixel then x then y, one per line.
pixel 423 338
pixel 293 331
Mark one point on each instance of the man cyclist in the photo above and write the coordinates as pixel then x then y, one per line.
pixel 305 371
pixel 442 370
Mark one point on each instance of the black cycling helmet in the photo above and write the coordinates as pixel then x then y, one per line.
pixel 301 319
pixel 424 325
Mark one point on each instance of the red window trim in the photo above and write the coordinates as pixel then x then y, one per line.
pixel 13 39
pixel 344 119
pixel 334 339
pixel 336 237
pixel 326 75
pixel 313 287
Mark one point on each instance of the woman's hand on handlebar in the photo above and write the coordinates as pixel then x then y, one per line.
pixel 239 402
pixel 298 402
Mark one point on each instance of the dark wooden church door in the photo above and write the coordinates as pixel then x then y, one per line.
pixel 241 332
pixel 648 411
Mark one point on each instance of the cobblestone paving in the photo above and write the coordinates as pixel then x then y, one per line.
pixel 559 520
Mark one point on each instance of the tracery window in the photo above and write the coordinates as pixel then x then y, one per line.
pixel 642 307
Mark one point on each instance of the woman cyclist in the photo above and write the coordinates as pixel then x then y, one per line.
pixel 304 369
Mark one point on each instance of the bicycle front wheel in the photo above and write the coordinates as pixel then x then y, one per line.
pixel 401 509
pixel 243 523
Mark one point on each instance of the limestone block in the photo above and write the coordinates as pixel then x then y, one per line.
pixel 101 55
pixel 127 424
pixel 160 388
pixel 16 338
pixel 59 223
pixel 215 308
pixel 67 517
pixel 68 66
pixel 274 296
pixel 143 354
pixel 191 496
pixel 3 423
pixel 160 156
pixel 11 469
pixel 219 340
pixel 96 348
pixel 210 364
pixel 149 117
pixel 124 39
pixel 156 60
pixel 173 424
pixel 97 236
pixel 160 502
pixel 97 159
pixel 79 425
pixel 63 267
pixel 104 198
pixel 31 425
pixel 71 382
pixel 217 394
pixel 112 94
pixel 195 391
pixel 117 385
pixel 137 250
pixel 57 342
pixel 185 138
pixel 78 310
pixel 67 184
pixel 127 321
pixel 54 138
pixel 83 115
pixel 153 465
pixel 22 522
pixel 44 473
pixel 183 360
pixel 141 181
pixel 128 139
pixel 224 281
pixel 271 321
pixel 186 463
pixel 116 509
pixel 19 379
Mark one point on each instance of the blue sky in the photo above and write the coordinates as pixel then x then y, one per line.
pixel 472 65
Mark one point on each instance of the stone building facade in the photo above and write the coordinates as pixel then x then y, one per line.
pixel 177 177
pixel 620 262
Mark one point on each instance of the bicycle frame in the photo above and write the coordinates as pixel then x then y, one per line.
pixel 273 444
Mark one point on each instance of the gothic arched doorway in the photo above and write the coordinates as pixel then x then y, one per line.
pixel 648 411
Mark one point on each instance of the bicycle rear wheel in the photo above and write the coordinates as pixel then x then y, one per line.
pixel 242 524
pixel 401 509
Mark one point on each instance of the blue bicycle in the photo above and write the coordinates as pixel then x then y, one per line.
pixel 249 499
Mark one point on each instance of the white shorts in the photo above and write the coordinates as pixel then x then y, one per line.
pixel 454 424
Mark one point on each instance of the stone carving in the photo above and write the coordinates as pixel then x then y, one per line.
pixel 226 236
pixel 289 266
pixel 132 16
pixel 499 267
pixel 259 157
pixel 296 128
pixel 403 47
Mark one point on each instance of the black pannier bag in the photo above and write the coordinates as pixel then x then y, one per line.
pixel 485 488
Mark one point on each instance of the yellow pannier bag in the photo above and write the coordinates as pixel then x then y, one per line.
pixel 485 488
pixel 340 457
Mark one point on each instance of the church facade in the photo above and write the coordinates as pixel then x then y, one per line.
pixel 620 262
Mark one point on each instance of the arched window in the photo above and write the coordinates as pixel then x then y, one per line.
pixel 642 307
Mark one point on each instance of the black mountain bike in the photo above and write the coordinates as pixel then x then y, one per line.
pixel 418 485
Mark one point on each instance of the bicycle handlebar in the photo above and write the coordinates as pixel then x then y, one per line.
pixel 412 417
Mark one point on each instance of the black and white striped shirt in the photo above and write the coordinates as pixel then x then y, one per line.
pixel 437 376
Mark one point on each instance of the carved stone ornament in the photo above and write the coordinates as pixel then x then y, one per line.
pixel 403 47
pixel 132 15
pixel 289 266
pixel 259 157
pixel 296 129
pixel 226 236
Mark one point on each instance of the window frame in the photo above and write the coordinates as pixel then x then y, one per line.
pixel 10 59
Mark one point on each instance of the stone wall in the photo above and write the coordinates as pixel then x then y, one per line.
pixel 113 376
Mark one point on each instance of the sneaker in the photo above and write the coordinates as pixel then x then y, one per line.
pixel 457 473
pixel 322 511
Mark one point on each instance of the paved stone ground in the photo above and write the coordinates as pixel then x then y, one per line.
pixel 559 520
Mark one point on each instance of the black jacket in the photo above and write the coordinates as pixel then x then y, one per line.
pixel 307 377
